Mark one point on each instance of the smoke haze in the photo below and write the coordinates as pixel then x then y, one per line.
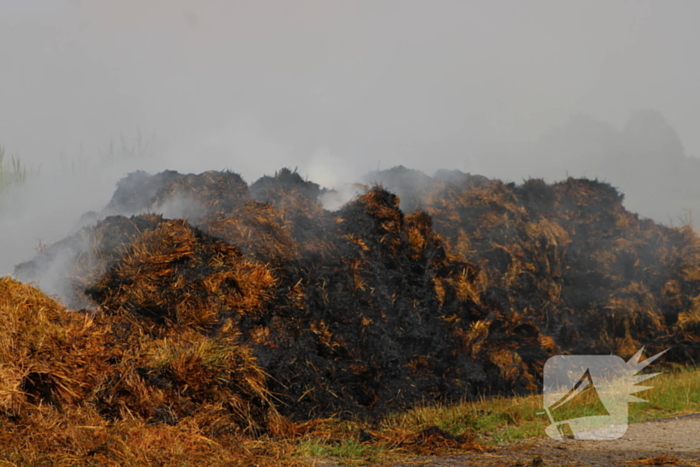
pixel 506 89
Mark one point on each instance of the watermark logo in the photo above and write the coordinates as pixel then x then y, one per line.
pixel 586 396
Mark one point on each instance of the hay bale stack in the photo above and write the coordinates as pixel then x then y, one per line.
pixel 298 204
pixel 592 275
pixel 38 342
pixel 257 229
pixel 178 275
pixel 76 386
pixel 180 195
pixel 366 331
pixel 371 309
pixel 67 268
pixel 410 185
pixel 184 377
pixel 568 256
pixel 117 366
pixel 170 303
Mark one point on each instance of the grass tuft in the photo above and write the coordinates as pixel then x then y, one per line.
pixel 12 171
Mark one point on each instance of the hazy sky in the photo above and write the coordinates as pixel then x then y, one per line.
pixel 395 80
pixel 334 87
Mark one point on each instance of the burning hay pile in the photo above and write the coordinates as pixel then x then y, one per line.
pixel 77 388
pixel 591 275
pixel 239 305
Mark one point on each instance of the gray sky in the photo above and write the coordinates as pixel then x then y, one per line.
pixel 333 87
pixel 365 79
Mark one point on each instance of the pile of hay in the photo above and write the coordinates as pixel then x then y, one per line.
pixel 592 275
pixel 79 388
pixel 253 302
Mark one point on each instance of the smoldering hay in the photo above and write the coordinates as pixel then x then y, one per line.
pixel 252 305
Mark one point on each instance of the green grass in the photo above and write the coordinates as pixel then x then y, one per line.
pixel 347 449
pixel 676 392
pixel 497 420
pixel 494 419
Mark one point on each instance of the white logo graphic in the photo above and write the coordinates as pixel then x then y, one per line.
pixel 586 396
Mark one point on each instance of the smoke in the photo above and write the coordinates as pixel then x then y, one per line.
pixel 644 158
pixel 45 209
pixel 340 89
pixel 52 272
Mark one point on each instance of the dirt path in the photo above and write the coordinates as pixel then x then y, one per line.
pixel 663 442
pixel 674 441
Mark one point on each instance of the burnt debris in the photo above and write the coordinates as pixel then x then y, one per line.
pixel 215 297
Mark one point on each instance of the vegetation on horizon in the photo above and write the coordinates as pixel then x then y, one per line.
pixel 123 148
pixel 12 171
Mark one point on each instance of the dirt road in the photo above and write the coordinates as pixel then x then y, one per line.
pixel 663 442
pixel 674 441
